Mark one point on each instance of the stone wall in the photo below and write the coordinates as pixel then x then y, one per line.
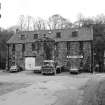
pixel 16 57
pixel 87 61
pixel 11 56
pixel 39 55
pixel 60 54
pixel 75 49
pixel 19 59
pixel 61 48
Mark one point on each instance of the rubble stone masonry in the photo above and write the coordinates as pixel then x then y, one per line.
pixel 74 49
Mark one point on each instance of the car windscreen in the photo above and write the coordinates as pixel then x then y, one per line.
pixel 13 67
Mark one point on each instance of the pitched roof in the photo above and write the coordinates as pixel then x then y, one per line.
pixel 84 34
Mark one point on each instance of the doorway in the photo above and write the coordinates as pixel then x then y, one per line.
pixel 29 63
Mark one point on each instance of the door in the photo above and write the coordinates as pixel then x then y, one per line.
pixel 29 63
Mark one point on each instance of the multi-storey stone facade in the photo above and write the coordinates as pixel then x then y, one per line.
pixel 60 45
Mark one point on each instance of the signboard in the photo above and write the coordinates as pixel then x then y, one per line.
pixel 75 56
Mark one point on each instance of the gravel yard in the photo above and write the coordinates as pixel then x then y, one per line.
pixel 29 88
pixel 6 87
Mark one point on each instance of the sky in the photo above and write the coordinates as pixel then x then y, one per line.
pixel 70 9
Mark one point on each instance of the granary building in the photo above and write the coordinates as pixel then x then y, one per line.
pixel 70 46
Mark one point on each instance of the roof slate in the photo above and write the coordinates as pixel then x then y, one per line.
pixel 84 34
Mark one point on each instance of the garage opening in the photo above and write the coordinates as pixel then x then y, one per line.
pixel 29 63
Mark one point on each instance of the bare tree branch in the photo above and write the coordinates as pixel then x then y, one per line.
pixel 58 22
pixel 21 22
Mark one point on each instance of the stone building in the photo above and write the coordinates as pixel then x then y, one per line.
pixel 73 46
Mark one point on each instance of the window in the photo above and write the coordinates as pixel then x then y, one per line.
pixel 34 46
pixel 74 33
pixel 58 35
pixel 56 49
pixel 68 48
pixel 23 47
pixel 22 37
pixel 81 47
pixel 13 48
pixel 35 36
pixel 44 35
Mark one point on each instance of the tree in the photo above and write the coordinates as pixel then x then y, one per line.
pixel 4 37
pixel 29 23
pixel 21 22
pixel 99 44
pixel 100 19
pixel 80 19
pixel 58 22
pixel 84 21
pixel 39 24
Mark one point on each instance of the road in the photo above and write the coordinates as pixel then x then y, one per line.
pixel 62 89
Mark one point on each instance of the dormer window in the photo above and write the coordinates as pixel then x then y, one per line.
pixel 58 35
pixel 34 46
pixel 75 33
pixel 13 48
pixel 44 35
pixel 23 47
pixel 35 36
pixel 22 37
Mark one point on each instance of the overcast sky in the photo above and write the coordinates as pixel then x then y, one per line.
pixel 11 9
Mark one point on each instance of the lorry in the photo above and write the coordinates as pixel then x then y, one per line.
pixel 74 65
pixel 50 67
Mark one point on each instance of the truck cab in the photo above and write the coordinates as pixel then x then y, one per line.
pixel 48 67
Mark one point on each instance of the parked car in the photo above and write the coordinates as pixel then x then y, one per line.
pixel 64 67
pixel 48 67
pixel 15 68
pixel 37 69
pixel 74 70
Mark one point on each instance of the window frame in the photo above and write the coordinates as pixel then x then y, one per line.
pixel 58 34
pixel 22 36
pixel 23 47
pixel 13 48
pixel 34 46
pixel 35 36
pixel 75 33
